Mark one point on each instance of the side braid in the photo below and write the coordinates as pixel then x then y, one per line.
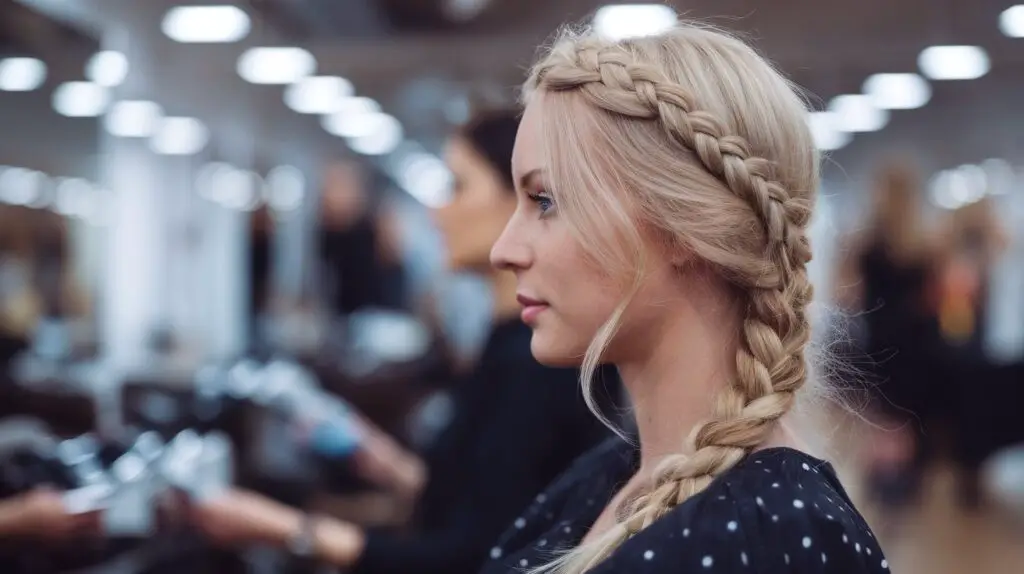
pixel 770 361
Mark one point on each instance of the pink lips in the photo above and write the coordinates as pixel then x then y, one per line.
pixel 531 308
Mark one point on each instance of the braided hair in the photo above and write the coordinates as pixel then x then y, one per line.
pixel 700 139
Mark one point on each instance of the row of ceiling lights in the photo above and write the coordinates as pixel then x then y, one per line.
pixel 870 110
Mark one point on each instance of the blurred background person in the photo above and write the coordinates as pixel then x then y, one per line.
pixel 515 425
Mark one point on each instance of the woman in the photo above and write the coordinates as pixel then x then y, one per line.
pixel 886 280
pixel 516 425
pixel 665 186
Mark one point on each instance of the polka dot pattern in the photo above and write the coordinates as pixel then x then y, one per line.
pixel 777 511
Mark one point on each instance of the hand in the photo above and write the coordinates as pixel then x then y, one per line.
pixel 240 517
pixel 41 514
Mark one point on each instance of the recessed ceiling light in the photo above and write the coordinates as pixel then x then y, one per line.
pixel 275 65
pixel 1011 21
pixel 107 68
pixel 133 119
pixel 21 74
pixel 620 21
pixel 179 136
pixel 954 62
pixel 826 133
pixel 898 91
pixel 318 94
pixel 856 113
pixel 206 24
pixel 81 99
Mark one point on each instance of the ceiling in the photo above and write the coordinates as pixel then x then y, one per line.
pixel 409 57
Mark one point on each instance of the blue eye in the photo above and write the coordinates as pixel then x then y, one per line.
pixel 544 203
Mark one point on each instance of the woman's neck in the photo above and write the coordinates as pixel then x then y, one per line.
pixel 674 379
pixel 503 294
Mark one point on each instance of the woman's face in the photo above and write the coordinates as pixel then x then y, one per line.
pixel 566 295
pixel 481 206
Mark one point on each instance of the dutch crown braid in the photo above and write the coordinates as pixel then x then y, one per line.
pixel 770 361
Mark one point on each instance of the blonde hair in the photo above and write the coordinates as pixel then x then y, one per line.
pixel 693 136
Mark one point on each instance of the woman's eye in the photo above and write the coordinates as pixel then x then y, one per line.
pixel 544 202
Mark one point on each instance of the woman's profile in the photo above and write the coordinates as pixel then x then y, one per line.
pixel 665 186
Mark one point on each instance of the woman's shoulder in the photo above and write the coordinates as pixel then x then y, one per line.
pixel 779 510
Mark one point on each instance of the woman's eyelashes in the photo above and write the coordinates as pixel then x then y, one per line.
pixel 543 201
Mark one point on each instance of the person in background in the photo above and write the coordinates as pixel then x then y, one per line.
pixel 887 278
pixel 516 425
pixel 359 265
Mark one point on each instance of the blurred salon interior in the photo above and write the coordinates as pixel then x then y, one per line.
pixel 244 245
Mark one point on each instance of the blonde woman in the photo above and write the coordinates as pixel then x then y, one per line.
pixel 665 186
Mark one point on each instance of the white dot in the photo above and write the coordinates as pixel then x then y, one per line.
pixel 806 467
pixel 590 502
pixel 830 517
pixel 520 523
pixel 760 501
pixel 541 498
pixel 721 497
pixel 686 532
pixel 857 547
pixel 743 558
pixel 786 556
pixel 798 503
pixel 542 543
pixel 648 555
pixel 824 558
pixel 775 518
pixel 757 462
pixel 885 564
pixel 567 530
pixel 845 539
pixel 807 541
pixel 828 499
pixel 708 561
pixel 775 485
pixel 524 563
pixel 868 550
pixel 768 470
pixel 800 486
pixel 732 526
pixel 495 553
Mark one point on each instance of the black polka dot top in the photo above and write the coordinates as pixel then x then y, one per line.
pixel 778 511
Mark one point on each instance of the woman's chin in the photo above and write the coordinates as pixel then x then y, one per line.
pixel 553 354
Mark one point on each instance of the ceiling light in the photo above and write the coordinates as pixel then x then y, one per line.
pixel 286 188
pixel 80 99
pixel 133 119
pixel 856 113
pixel 21 74
pixel 954 62
pixel 1011 21
pixel 234 188
pixel 898 91
pixel 426 178
pixel 275 65
pixel 318 94
pixel 464 10
pixel 206 24
pixel 73 197
pixel 384 137
pixel 107 68
pixel 179 136
pixel 21 186
pixel 825 131
pixel 622 21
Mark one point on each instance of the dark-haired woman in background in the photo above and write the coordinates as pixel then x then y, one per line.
pixel 516 424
